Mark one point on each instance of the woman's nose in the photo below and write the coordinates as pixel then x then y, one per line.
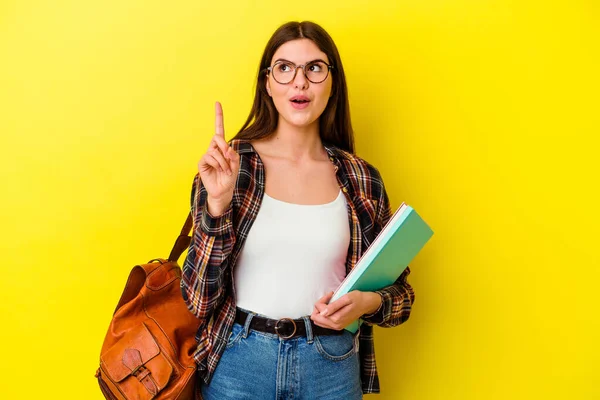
pixel 300 80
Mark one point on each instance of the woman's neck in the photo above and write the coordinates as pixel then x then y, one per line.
pixel 297 144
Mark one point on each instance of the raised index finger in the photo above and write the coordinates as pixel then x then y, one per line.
pixel 219 130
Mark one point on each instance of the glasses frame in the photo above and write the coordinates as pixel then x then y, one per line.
pixel 296 67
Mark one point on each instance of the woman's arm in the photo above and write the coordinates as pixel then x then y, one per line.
pixel 396 305
pixel 394 301
pixel 213 238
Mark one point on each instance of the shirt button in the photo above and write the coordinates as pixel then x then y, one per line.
pixel 330 158
pixel 344 190
pixel 227 220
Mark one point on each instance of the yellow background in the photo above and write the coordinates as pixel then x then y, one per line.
pixel 483 115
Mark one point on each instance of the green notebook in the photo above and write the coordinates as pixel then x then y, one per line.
pixel 388 256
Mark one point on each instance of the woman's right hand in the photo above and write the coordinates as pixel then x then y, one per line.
pixel 219 168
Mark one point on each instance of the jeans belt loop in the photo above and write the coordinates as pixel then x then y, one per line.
pixel 246 330
pixel 309 332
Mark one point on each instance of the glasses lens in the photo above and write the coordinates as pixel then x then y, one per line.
pixel 283 72
pixel 316 71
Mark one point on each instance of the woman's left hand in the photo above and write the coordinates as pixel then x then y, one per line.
pixel 344 310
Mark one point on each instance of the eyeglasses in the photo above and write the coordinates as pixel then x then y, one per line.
pixel 285 71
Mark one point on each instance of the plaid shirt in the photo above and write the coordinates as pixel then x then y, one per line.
pixel 207 284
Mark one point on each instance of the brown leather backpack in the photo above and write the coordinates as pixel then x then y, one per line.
pixel 148 350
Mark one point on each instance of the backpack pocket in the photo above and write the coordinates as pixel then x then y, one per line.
pixel 136 365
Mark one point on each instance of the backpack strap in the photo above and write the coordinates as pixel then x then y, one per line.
pixel 183 240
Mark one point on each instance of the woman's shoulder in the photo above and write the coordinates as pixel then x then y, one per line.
pixel 241 146
pixel 355 166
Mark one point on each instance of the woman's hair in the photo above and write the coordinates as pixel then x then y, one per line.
pixel 334 123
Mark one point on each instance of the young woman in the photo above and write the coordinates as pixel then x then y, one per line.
pixel 281 214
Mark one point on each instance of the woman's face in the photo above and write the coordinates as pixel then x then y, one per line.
pixel 310 98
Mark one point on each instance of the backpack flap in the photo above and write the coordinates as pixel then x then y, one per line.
pixel 136 365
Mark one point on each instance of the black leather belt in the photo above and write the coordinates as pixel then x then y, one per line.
pixel 285 328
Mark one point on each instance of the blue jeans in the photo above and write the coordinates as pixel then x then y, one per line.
pixel 262 366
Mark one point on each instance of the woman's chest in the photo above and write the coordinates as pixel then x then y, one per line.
pixel 309 184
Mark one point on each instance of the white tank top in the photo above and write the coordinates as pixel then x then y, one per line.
pixel 293 255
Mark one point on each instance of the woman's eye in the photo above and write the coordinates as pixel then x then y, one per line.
pixel 284 68
pixel 315 67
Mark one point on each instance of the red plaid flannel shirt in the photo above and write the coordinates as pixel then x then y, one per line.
pixel 207 285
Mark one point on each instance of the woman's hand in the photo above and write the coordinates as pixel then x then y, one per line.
pixel 219 168
pixel 344 310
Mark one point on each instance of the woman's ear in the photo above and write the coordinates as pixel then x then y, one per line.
pixel 268 86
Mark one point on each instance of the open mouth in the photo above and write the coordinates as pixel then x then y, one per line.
pixel 300 102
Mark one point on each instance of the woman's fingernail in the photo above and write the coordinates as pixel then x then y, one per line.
pixel 324 312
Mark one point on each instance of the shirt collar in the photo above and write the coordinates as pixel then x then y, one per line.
pixel 244 147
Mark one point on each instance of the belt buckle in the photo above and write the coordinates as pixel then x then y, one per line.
pixel 277 328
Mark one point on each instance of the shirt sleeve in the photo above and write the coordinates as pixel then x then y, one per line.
pixel 204 270
pixel 397 298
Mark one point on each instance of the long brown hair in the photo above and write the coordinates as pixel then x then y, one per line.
pixel 334 123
